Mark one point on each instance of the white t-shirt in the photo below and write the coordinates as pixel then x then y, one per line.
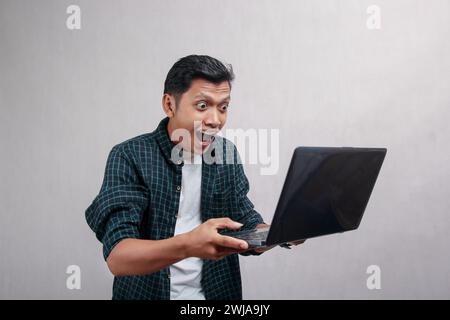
pixel 186 275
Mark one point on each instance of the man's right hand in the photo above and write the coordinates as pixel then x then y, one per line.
pixel 206 243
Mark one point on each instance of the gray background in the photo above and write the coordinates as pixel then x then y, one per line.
pixel 309 68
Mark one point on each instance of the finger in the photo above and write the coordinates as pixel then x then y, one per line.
pixel 222 223
pixel 230 242
pixel 223 251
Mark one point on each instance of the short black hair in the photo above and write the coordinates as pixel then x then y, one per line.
pixel 191 67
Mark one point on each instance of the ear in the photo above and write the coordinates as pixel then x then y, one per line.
pixel 168 104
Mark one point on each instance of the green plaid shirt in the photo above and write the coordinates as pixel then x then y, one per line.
pixel 139 198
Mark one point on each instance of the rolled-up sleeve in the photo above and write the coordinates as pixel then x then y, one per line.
pixel 117 211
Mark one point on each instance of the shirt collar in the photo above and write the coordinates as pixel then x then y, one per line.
pixel 163 139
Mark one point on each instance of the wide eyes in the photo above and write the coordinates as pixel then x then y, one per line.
pixel 202 105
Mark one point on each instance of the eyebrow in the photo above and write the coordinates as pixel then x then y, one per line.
pixel 203 95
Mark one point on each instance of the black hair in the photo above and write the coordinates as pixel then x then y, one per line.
pixel 191 67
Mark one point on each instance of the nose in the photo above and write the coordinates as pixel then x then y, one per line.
pixel 213 118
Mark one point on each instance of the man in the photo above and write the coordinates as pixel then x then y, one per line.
pixel 162 204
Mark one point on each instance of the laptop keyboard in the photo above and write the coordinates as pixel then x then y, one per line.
pixel 254 234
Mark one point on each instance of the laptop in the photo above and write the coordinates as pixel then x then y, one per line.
pixel 326 191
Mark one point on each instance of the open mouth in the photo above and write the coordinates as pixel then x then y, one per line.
pixel 205 138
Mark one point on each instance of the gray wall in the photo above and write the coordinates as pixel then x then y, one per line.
pixel 311 69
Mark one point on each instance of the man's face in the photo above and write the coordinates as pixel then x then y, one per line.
pixel 201 111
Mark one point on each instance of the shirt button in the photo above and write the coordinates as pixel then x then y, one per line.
pixel 178 188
